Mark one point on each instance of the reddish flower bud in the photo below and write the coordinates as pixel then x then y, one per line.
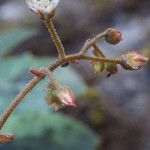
pixel 133 60
pixel 6 138
pixel 113 36
pixel 36 72
pixel 66 97
pixel 59 97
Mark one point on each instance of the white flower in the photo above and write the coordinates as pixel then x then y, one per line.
pixel 42 7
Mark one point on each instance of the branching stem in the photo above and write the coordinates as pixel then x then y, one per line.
pixel 28 88
pixel 62 59
pixel 90 42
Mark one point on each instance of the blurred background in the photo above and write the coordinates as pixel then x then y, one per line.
pixel 112 113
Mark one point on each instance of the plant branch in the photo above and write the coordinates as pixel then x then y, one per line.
pixel 92 58
pixel 28 88
pixel 60 49
pixel 90 42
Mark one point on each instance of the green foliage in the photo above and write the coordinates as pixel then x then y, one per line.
pixel 9 40
pixel 36 130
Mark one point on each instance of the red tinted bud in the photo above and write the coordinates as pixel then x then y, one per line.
pixel 113 36
pixel 36 72
pixel 66 97
pixel 133 60
pixel 59 97
pixel 6 138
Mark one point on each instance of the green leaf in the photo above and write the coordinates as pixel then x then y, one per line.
pixel 54 131
pixel 11 38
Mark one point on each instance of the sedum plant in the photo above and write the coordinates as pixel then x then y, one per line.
pixel 59 96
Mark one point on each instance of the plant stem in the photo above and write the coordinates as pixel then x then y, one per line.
pixel 28 88
pixel 89 43
pixel 18 99
pixel 92 58
pixel 106 60
pixel 60 49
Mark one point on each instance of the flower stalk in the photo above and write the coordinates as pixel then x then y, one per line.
pixel 60 49
pixel 45 9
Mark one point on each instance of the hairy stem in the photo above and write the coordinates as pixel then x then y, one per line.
pixel 60 49
pixel 89 43
pixel 60 62
pixel 28 88
pixel 18 99
pixel 92 58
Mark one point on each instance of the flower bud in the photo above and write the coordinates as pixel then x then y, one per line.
pixel 43 8
pixel 113 36
pixel 59 97
pixel 52 98
pixel 66 96
pixel 99 67
pixel 6 138
pixel 111 68
pixel 133 60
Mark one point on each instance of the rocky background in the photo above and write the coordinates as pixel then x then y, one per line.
pixel 120 106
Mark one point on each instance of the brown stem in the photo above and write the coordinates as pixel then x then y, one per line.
pixel 92 58
pixel 89 43
pixel 60 49
pixel 28 88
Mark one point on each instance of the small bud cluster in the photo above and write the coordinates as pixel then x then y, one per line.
pixel 57 96
pixel 132 60
pixel 100 67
